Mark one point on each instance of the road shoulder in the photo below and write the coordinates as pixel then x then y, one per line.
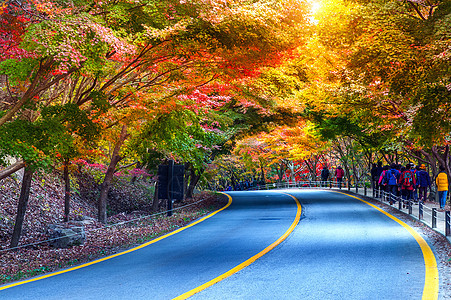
pixel 439 244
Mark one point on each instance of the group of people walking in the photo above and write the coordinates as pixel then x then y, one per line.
pixel 408 182
pixel 325 174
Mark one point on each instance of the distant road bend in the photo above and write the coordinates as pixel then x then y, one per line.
pixel 259 247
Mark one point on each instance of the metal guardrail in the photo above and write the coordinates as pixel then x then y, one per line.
pixel 311 184
pixel 362 188
pixel 432 212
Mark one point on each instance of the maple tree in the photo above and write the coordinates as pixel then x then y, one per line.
pixel 227 172
pixel 35 142
pixel 252 151
pixel 373 63
pixel 370 67
pixel 290 88
pixel 121 72
pixel 297 145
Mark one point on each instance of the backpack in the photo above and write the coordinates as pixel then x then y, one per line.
pixel 390 176
pixel 423 179
pixel 407 179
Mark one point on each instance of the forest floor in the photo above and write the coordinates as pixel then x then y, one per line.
pixel 131 222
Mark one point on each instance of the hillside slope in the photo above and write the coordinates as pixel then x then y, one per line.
pixel 130 221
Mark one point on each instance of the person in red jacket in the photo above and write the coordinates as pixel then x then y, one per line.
pixel 339 174
pixel 383 182
pixel 407 183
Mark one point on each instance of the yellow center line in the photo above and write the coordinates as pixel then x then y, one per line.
pixel 120 253
pixel 431 283
pixel 250 260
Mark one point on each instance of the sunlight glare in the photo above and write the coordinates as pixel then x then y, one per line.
pixel 316 5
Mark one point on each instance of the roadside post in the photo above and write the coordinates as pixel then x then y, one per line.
pixel 448 223
pixel 420 210
pixel 434 217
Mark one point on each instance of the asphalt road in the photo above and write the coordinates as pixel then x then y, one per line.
pixel 341 249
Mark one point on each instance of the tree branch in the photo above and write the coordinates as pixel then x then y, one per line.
pixel 125 167
pixel 11 169
pixel 417 10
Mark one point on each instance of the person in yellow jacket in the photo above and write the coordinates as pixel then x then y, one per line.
pixel 442 186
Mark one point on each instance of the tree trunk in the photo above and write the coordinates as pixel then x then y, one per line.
pixel 66 190
pixel 156 200
pixel 105 187
pixel 262 173
pixel 292 173
pixel 194 179
pixel 443 160
pixel 22 206
pixel 280 172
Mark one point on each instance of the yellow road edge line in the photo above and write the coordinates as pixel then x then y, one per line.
pixel 250 260
pixel 120 253
pixel 431 283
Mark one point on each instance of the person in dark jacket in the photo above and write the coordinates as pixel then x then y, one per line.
pixel 424 182
pixel 415 190
pixel 374 176
pixel 325 173
pixel 392 178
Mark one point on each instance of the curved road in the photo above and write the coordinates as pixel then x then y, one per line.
pixel 342 248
